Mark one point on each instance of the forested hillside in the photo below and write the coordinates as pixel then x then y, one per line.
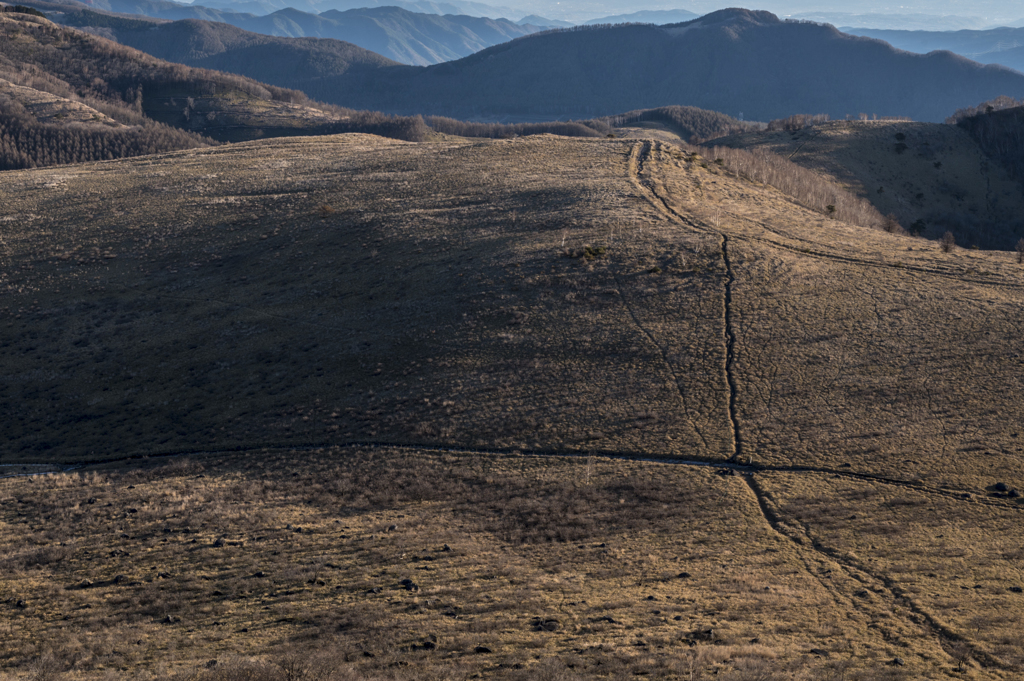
pixel 68 96
pixel 998 127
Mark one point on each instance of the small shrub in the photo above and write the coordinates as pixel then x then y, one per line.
pixel 892 225
pixel 947 242
pixel 1020 251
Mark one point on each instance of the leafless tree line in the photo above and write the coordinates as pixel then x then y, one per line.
pixel 806 186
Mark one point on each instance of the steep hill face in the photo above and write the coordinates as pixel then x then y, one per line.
pixel 932 177
pixel 731 61
pixel 1000 133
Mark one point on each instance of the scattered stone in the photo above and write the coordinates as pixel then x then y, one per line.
pixel 119 579
pixel 429 645
pixel 163 575
pixel 260 574
pixel 374 590
pixel 1013 494
pixel 367 653
pixel 818 651
pixel 678 618
pixel 863 593
pixel 392 528
pixel 447 548
pixel 703 634
pixel 683 575
pixel 131 510
pixel 482 649
pixel 20 604
pixel 170 619
pixel 546 624
pixel 85 584
pixel 211 664
pixel 1016 589
pixel 651 598
pixel 1001 487
pixel 219 542
pixel 897 662
pixel 755 640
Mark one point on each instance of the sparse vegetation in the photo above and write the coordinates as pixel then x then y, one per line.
pixel 980 202
pixel 798 122
pixel 948 242
pixel 806 186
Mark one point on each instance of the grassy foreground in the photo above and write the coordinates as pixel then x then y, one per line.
pixel 517 567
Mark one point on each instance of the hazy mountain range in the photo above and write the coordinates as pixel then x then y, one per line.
pixel 731 61
pixel 403 36
pixel 667 16
pixel 995 46
pixel 904 21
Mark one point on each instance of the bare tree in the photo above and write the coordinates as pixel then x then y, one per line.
pixel 947 242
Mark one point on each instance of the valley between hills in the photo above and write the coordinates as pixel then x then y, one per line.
pixel 351 407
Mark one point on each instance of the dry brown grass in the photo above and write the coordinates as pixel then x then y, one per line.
pixel 119 571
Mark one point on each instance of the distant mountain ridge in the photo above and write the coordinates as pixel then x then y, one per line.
pixel 664 16
pixel 731 61
pixel 403 36
pixel 261 7
pixel 1003 46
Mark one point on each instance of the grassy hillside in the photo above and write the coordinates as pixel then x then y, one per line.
pixel 288 299
pixel 728 61
pixel 303 289
pixel 933 178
